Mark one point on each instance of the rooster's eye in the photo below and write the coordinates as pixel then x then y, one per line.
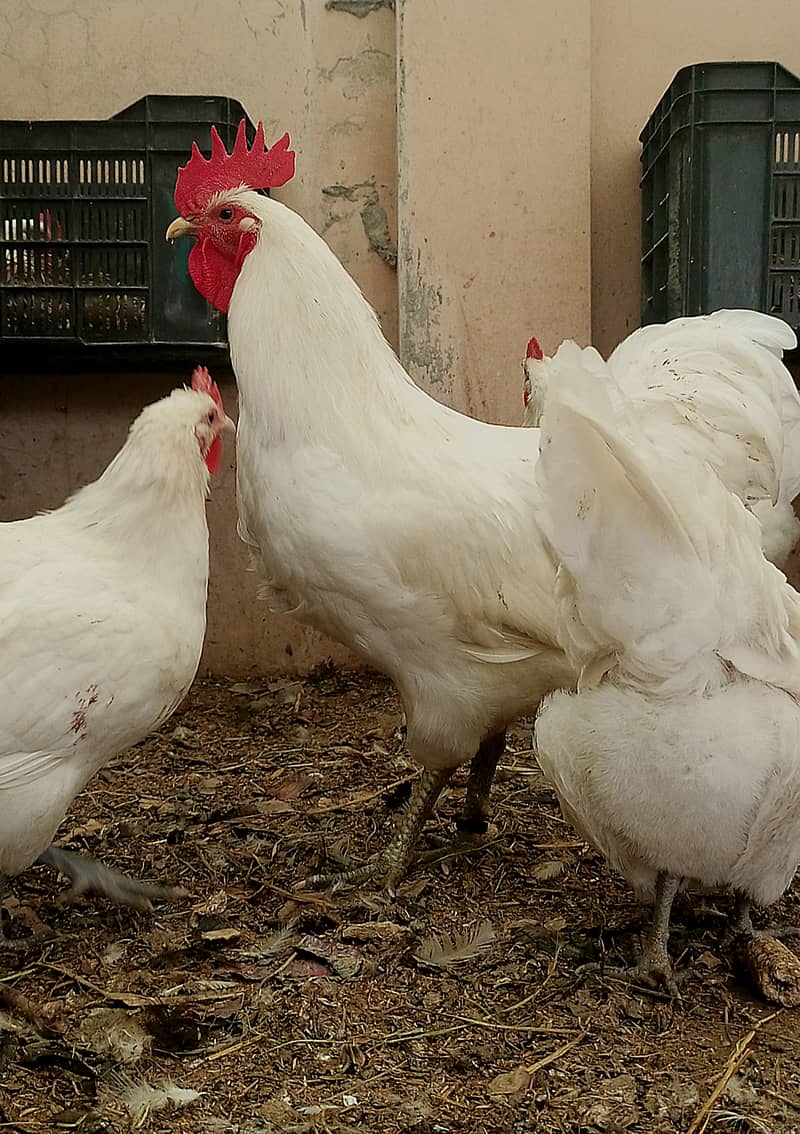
pixel 226 214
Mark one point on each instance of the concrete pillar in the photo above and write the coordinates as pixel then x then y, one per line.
pixel 493 210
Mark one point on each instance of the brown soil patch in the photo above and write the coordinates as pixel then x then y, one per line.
pixel 293 1011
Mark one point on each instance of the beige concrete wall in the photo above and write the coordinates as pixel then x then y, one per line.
pixel 494 120
pixel 637 46
pixel 504 111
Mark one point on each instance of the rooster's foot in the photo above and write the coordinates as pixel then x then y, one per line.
pixel 389 868
pixel 474 819
pixel 90 877
pixel 375 871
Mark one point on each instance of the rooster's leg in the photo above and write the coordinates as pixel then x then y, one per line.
pixel 390 866
pixel 474 819
pixel 90 877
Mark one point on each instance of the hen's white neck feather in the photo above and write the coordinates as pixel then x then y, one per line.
pixel 158 474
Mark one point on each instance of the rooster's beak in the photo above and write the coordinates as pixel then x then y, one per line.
pixel 180 227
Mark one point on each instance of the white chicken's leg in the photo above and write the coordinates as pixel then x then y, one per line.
pixel 742 925
pixel 90 877
pixel 654 967
pixel 773 968
pixel 654 964
pixel 392 863
pixel 474 818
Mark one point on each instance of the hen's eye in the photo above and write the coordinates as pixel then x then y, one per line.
pixel 212 417
pixel 226 214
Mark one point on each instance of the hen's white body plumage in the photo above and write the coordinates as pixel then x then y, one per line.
pixel 712 388
pixel 102 617
pixel 680 754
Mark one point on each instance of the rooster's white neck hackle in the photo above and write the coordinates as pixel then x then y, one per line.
pixel 302 334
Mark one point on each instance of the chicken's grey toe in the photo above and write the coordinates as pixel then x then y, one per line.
pixel 383 870
pixel 655 972
pixel 91 877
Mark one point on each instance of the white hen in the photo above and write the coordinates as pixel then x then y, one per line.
pixel 102 618
pixel 679 757
pixel 711 387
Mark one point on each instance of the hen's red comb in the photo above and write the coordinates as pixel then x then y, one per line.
pixel 534 350
pixel 261 167
pixel 205 384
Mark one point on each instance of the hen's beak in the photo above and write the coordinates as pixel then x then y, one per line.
pixel 228 426
pixel 180 227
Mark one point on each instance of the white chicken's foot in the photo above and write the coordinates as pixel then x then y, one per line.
pixel 742 925
pixel 654 965
pixel 11 943
pixel 390 865
pixel 654 968
pixel 475 818
pixel 90 877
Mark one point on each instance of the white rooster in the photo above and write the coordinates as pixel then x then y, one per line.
pixel 679 756
pixel 390 522
pixel 711 387
pixel 374 513
pixel 102 618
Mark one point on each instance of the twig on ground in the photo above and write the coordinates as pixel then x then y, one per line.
pixel 735 1061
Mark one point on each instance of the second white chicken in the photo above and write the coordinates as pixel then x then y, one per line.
pixel 712 387
pixel 102 619
pixel 679 756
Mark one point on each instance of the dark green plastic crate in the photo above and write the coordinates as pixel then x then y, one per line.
pixel 83 211
pixel 721 193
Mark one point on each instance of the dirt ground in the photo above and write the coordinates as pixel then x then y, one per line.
pixel 461 1005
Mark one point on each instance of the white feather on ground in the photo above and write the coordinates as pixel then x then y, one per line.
pixel 141 1098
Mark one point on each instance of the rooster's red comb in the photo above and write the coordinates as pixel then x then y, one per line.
pixel 534 350
pixel 260 167
pixel 205 384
